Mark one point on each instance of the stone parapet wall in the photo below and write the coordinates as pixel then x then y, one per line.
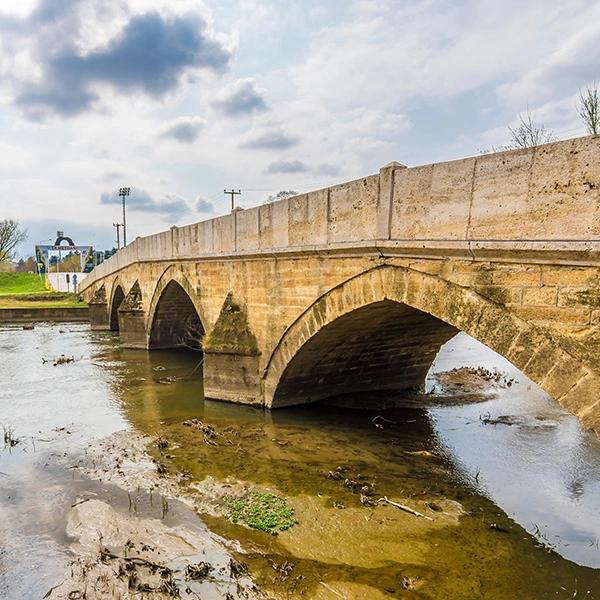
pixel 542 203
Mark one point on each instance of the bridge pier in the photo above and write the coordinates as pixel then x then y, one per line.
pixel 132 328
pixel 99 311
pixel 132 320
pixel 231 357
pixel 231 377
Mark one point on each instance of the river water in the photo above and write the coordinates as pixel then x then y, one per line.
pixel 510 483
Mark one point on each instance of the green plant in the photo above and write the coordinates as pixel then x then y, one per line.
pixel 261 510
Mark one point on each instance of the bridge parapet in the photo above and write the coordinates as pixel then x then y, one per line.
pixel 538 201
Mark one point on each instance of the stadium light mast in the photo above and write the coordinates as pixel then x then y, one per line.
pixel 123 192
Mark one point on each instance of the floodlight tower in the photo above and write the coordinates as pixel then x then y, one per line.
pixel 124 191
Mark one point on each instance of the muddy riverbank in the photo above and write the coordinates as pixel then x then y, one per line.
pixel 119 459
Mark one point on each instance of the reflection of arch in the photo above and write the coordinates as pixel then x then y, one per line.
pixel 400 317
pixel 173 319
pixel 117 297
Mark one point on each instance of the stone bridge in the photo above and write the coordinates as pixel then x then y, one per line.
pixel 355 287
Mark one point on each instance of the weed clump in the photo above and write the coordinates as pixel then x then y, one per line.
pixel 261 510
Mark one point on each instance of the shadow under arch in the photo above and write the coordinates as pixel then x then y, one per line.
pixel 392 319
pixel 174 318
pixel 117 297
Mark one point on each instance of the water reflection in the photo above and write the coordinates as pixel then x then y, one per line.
pixel 544 470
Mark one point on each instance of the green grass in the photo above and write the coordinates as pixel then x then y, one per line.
pixel 261 510
pixel 28 290
pixel 21 283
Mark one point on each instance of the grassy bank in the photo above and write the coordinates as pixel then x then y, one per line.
pixel 27 290
pixel 21 283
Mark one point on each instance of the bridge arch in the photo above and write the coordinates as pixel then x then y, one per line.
pixel 175 316
pixel 116 299
pixel 384 327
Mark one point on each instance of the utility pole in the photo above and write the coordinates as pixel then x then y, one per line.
pixel 118 227
pixel 232 193
pixel 124 191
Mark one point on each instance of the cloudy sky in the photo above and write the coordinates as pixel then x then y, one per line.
pixel 179 99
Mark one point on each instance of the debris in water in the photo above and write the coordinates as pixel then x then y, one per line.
pixel 405 508
pixel 198 571
pixel 237 568
pixel 61 360
pixel 487 419
pixel 210 433
pixel 10 440
pixel 409 583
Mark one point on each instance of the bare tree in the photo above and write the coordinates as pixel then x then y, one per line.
pixel 589 109
pixel 528 134
pixel 11 235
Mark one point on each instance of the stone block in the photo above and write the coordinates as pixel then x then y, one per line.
pixel 247 230
pixel 432 202
pixel 99 316
pixel 569 276
pixel 553 314
pixel 540 296
pixel 307 219
pixel 132 328
pixel 500 190
pixel 353 210
pixel 231 377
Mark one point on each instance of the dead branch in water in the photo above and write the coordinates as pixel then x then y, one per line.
pixel 405 508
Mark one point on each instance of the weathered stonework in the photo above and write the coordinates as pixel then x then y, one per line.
pixel 356 286
pixel 99 314
pixel 231 365
pixel 132 319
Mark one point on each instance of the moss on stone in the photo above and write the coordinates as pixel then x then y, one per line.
pixel 99 296
pixel 133 300
pixel 231 333
pixel 485 287
pixel 589 297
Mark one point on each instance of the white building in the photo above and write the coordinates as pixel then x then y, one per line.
pixel 65 282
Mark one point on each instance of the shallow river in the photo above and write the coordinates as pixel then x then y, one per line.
pixel 510 484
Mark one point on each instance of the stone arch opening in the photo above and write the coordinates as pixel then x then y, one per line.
pixel 382 346
pixel 117 300
pixel 437 305
pixel 175 323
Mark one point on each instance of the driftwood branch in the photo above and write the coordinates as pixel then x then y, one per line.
pixel 405 508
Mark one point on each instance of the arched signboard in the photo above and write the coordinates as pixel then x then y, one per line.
pixel 87 255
